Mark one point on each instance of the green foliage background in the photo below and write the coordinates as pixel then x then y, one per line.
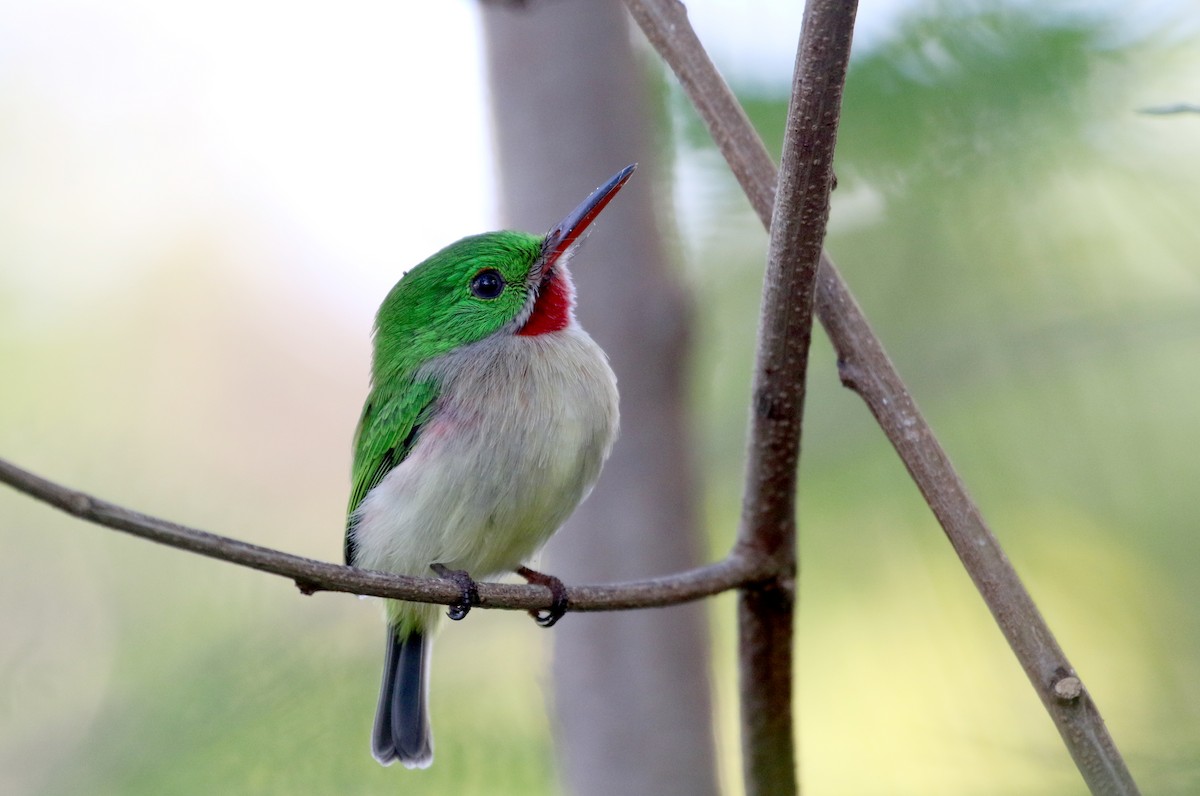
pixel 1025 243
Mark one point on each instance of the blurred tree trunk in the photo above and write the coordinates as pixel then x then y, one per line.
pixel 632 696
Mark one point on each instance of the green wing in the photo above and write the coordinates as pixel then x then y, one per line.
pixel 387 432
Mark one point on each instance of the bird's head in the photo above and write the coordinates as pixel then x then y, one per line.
pixel 495 283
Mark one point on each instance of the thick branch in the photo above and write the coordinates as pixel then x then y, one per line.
pixel 766 614
pixel 738 569
pixel 866 368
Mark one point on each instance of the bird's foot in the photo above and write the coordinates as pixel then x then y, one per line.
pixel 466 586
pixel 558 591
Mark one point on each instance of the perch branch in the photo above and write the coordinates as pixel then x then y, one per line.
pixel 310 576
pixel 866 369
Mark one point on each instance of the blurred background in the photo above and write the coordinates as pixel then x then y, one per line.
pixel 201 205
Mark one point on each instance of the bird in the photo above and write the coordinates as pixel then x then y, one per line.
pixel 488 418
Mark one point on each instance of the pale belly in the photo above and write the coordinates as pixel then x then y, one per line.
pixel 522 429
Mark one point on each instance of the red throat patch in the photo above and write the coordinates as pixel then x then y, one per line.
pixel 551 308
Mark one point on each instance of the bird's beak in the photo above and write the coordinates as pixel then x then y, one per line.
pixel 567 232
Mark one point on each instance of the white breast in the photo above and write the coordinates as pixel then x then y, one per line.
pixel 522 428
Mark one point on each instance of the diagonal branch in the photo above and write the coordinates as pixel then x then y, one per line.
pixel 766 615
pixel 865 368
pixel 737 569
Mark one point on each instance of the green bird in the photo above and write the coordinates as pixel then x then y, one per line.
pixel 490 414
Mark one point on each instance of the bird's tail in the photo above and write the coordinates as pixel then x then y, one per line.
pixel 402 719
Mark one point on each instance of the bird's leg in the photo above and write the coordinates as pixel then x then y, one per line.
pixel 465 584
pixel 558 591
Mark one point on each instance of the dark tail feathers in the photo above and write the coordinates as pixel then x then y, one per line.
pixel 402 720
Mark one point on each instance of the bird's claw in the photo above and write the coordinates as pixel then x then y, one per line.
pixel 469 593
pixel 558 591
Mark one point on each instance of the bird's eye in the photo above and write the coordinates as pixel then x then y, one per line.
pixel 487 284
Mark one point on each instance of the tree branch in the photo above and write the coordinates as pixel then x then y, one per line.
pixel 737 569
pixel 666 26
pixel 866 369
pixel 768 523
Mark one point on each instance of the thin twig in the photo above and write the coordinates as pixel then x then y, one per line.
pixel 311 576
pixel 866 368
pixel 1171 110
pixel 766 613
